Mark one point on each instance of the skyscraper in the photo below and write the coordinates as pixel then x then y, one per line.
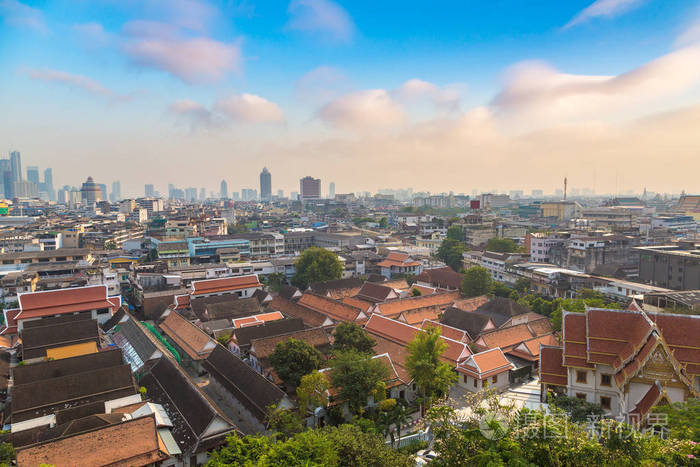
pixel 148 191
pixel 48 183
pixel 6 174
pixel 33 174
pixel 223 193
pixel 310 188
pixel 265 185
pixel 16 166
pixel 331 190
pixel 202 194
pixel 116 191
pixel 90 192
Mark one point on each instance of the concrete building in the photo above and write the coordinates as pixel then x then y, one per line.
pixel 265 185
pixel 561 210
pixel 671 266
pixel 310 188
pixel 90 192
pixel 223 192
pixel 148 191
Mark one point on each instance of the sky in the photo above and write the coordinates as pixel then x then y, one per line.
pixel 438 96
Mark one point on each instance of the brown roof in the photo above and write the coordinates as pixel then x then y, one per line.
pixel 574 339
pixel 647 402
pixel 445 278
pixel 485 364
pixel 196 344
pixel 505 338
pixel 133 442
pixel 417 316
pixel 395 307
pixel 336 310
pixel 398 354
pixel 54 302
pixel 447 331
pixel 375 293
pixel 552 371
pixel 337 288
pixel 471 304
pixel 397 260
pixel 225 284
pixel 358 303
pixel 263 348
pixel 289 308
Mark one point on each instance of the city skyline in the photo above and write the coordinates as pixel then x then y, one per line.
pixel 445 99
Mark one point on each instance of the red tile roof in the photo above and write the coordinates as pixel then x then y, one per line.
pixel 552 371
pixel 505 338
pixel 197 344
pixel 447 331
pixel 530 349
pixel 182 301
pixel 56 302
pixel 399 260
pixel 289 308
pixel 647 402
pixel 574 339
pixel 336 310
pixel 445 277
pixel 225 284
pixel 256 320
pixel 485 364
pixel 471 304
pixel 393 308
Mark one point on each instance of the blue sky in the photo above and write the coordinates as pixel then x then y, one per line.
pixel 509 94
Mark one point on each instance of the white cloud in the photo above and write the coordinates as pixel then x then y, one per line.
pixel 194 113
pixel 21 15
pixel 321 85
pixel 71 80
pixel 249 108
pixel 194 15
pixel 689 36
pixel 368 109
pixel 602 8
pixel 537 93
pixel 321 16
pixel 447 97
pixel 192 59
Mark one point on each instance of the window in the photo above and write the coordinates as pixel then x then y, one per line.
pixel 581 377
pixel 475 383
pixel 465 378
pixel 494 379
pixel 605 380
pixel 605 402
pixel 581 395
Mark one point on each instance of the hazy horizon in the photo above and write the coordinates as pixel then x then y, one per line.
pixel 439 98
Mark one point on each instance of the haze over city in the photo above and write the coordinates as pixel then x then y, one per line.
pixel 505 95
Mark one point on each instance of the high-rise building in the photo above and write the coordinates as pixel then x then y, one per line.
pixel 202 194
pixel 6 178
pixel 116 191
pixel 294 196
pixel 33 174
pixel 103 190
pixel 148 191
pixel 265 185
pixel 48 183
pixel 310 188
pixel 90 192
pixel 236 196
pixel 331 190
pixel 16 166
pixel 190 194
pixel 25 189
pixel 280 193
pixel 223 193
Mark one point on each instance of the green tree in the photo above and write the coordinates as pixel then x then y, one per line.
pixel 432 376
pixel 350 336
pixel 477 281
pixel 7 454
pixel 455 233
pixel 383 223
pixel 499 289
pixel 316 265
pixel 450 252
pixel 683 419
pixel 577 409
pixel 275 281
pixel 501 245
pixel 223 339
pixel 312 391
pixel 358 376
pixel 415 292
pixel 293 359
pixel 285 423
pixel 110 245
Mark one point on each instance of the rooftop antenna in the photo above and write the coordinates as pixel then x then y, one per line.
pixel 564 188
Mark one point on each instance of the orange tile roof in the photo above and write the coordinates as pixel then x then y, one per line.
pixel 357 303
pixel 397 260
pixel 55 302
pixel 257 319
pixel 681 334
pixel 485 364
pixel 424 290
pixel 417 316
pixel 647 402
pixel 336 310
pixel 395 307
pixel 133 442
pixel 505 338
pixel 574 339
pixel 225 284
pixel 471 304
pixel 182 301
pixel 309 316
pixel 447 331
pixel 187 336
pixel 530 349
pixel 552 370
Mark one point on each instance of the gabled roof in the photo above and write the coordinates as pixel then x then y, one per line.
pixel 468 321
pixel 264 346
pixel 505 338
pixel 647 402
pixel 375 293
pixel 336 310
pixel 358 303
pixel 309 316
pixel 188 409
pixel 37 340
pixel 248 386
pixel 485 364
pixel 394 308
pixel 232 309
pixel 552 371
pixel 447 331
pixel 289 292
pixel 226 284
pixel 196 344
pixel 135 442
pixel 55 302
pixel 530 349
pixel 338 288
pixel 258 319
pixel 471 304
pixel 445 278
pixel 243 336
pixel 502 309
pixel 395 259
pixel 131 338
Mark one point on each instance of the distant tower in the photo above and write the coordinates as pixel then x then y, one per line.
pixel 564 188
pixel 116 191
pixel 33 174
pixel 310 188
pixel 16 166
pixel 90 192
pixel 148 190
pixel 223 193
pixel 331 190
pixel 265 185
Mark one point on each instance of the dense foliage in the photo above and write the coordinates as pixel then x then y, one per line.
pixel 554 308
pixel 293 359
pixel 316 265
pixel 345 445
pixel 455 233
pixel 349 336
pixel 501 245
pixel 357 377
pixel 432 376
pixel 450 252
pixel 682 419
pixel 477 281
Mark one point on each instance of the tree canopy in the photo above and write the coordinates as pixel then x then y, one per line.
pixel 501 245
pixel 455 233
pixel 477 281
pixel 432 376
pixel 311 392
pixel 316 265
pixel 358 376
pixel 450 252
pixel 349 336
pixel 293 359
